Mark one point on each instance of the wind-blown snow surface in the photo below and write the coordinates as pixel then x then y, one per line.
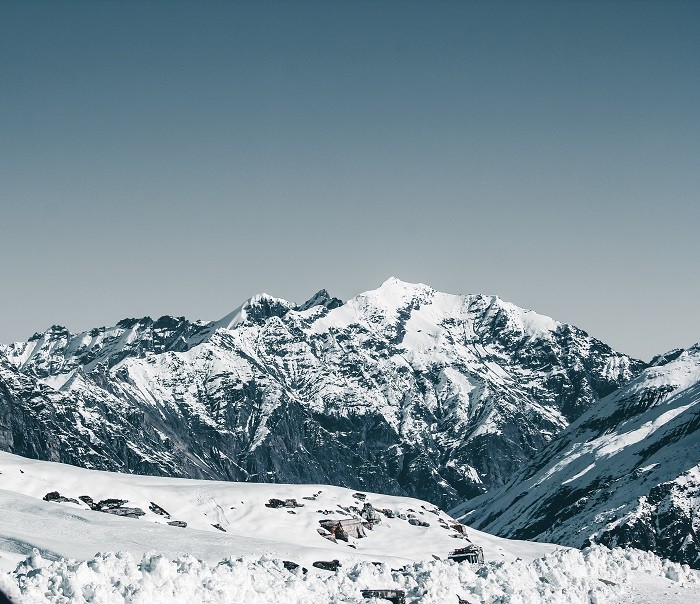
pixel 402 389
pixel 162 564
pixel 625 473
pixel 567 577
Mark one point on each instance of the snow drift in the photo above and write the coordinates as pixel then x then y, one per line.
pixel 595 575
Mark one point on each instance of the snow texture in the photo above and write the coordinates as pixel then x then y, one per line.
pixel 48 548
pixel 72 529
pixel 593 576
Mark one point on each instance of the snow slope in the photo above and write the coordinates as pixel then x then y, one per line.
pixel 627 472
pixel 73 530
pixel 158 563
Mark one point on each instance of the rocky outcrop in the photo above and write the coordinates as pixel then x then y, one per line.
pixel 396 596
pixel 113 506
pixel 56 497
pixel 156 509
pixel 666 521
pixel 330 565
pixel 108 506
pixel 283 503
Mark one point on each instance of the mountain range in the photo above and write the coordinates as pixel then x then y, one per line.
pixel 402 390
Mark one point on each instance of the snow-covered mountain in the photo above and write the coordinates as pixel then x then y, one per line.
pixel 402 389
pixel 627 472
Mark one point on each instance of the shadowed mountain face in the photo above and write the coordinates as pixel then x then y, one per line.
pixel 627 472
pixel 402 390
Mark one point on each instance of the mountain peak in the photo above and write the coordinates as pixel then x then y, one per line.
pixel 396 283
pixel 258 307
pixel 320 298
pixel 394 287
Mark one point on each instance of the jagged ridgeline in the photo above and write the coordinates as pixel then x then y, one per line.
pixel 402 390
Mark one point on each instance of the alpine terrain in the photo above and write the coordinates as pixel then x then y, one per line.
pixel 403 390
pixel 174 541
pixel 625 473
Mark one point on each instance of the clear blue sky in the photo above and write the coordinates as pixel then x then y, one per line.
pixel 174 157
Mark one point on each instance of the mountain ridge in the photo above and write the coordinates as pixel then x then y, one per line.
pixel 626 472
pixel 402 389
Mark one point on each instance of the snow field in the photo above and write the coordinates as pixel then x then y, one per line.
pixel 594 575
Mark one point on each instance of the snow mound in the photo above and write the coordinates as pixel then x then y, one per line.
pixel 593 575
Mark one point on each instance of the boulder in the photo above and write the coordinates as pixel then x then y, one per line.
pixel 370 514
pixel 56 497
pixel 344 529
pixel 396 596
pixel 156 509
pixel 332 565
pixel 292 566
pixel 417 522
pixel 125 512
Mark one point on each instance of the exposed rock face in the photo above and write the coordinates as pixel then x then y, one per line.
pixel 370 514
pixel 156 509
pixel 627 472
pixel 666 521
pixel 331 565
pixel 283 503
pixel 108 506
pixel 402 390
pixel 56 497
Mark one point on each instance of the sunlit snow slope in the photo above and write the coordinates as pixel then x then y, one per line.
pixel 625 473
pixel 249 527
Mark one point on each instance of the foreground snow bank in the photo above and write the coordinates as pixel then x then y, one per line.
pixel 567 576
